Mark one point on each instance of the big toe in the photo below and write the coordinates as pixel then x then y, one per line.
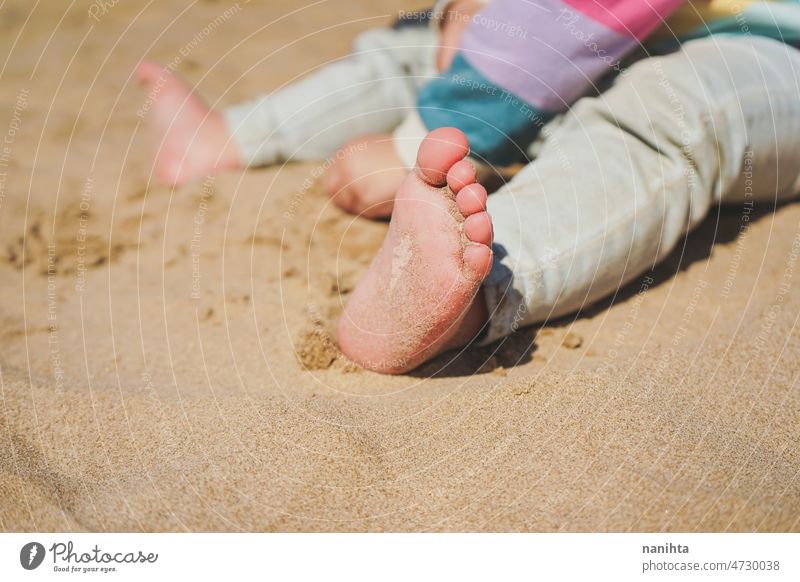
pixel 440 150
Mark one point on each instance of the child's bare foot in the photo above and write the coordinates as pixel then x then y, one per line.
pixel 418 297
pixel 365 176
pixel 191 140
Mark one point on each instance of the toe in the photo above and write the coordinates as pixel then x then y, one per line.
pixel 439 151
pixel 148 72
pixel 471 199
pixel 460 175
pixel 478 228
pixel 478 261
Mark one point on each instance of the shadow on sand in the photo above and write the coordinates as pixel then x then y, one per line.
pixel 722 226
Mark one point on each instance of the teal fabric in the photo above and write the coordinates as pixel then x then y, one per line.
pixel 498 124
pixel 776 20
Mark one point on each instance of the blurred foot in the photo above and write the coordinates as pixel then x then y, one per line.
pixel 191 140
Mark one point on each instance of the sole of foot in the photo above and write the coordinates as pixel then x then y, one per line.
pixel 418 297
pixel 191 141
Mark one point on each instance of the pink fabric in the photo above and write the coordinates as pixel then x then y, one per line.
pixel 637 18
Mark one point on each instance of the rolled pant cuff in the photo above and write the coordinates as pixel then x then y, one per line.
pixel 254 146
pixel 505 303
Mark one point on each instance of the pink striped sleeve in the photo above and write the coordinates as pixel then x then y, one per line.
pixel 637 18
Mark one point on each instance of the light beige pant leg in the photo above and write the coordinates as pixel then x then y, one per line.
pixel 627 174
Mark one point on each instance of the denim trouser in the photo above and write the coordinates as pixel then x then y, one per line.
pixel 625 175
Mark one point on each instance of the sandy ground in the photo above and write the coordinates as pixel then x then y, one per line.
pixel 166 361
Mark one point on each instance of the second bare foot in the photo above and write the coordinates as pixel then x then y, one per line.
pixel 191 140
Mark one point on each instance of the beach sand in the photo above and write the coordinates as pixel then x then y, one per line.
pixel 167 363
